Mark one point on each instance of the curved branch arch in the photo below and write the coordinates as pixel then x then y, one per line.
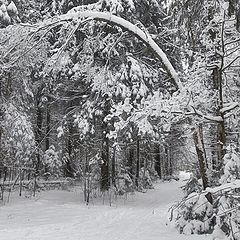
pixel 144 36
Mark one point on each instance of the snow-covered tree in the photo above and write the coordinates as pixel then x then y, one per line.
pixel 52 163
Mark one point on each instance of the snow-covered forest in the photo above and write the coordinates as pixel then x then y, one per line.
pixel 121 117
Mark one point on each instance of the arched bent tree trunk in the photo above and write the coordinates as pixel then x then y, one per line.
pixel 81 17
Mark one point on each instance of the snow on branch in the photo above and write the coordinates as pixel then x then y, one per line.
pixel 144 36
pixel 229 107
pixel 224 187
pixel 199 114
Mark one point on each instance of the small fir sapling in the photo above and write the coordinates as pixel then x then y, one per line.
pixel 51 162
pixel 191 186
pixel 124 183
pixel 232 165
pixel 145 179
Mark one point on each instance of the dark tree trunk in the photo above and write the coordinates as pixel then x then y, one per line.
pixel 86 178
pixel 36 77
pixel 131 161
pixel 166 167
pixel 105 181
pixel 38 137
pixel 105 165
pixel 47 133
pixel 48 127
pixel 217 85
pixel 199 145
pixel 114 167
pixel 170 159
pixel 68 169
pixel 158 161
pixel 221 133
pixel 68 166
pixel 138 161
pixel 221 126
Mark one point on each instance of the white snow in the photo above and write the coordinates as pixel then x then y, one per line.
pixel 62 215
pixel 12 8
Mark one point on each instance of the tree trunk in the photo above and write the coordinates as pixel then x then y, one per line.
pixel 38 136
pixel 199 145
pixel 221 133
pixel 105 165
pixel 114 167
pixel 166 168
pixel 158 161
pixel 105 181
pixel 131 161
pixel 69 171
pixel 68 167
pixel 86 178
pixel 48 127
pixel 217 85
pixel 138 162
pixel 170 159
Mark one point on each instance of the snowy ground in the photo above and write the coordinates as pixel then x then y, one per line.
pixel 61 215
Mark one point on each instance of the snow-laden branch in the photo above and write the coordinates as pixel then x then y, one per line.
pixel 198 113
pixel 225 187
pixel 144 36
pixel 229 65
pixel 229 107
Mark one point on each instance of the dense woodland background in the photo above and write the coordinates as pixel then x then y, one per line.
pixel 86 98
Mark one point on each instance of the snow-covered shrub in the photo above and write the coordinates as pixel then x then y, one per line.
pixel 227 207
pixel 227 202
pixel 93 175
pixel 153 174
pixel 191 186
pixel 145 179
pixel 194 215
pixel 124 183
pixel 51 162
pixel 89 175
pixel 231 166
pixel 17 140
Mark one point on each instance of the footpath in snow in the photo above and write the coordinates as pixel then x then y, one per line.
pixel 62 215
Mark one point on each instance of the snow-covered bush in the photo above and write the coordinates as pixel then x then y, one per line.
pixel 228 212
pixel 93 174
pixel 145 179
pixel 124 183
pixel 191 186
pixel 153 174
pixel 194 215
pixel 215 209
pixel 232 166
pixel 228 197
pixel 17 140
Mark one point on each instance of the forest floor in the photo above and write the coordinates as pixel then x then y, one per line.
pixel 62 215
